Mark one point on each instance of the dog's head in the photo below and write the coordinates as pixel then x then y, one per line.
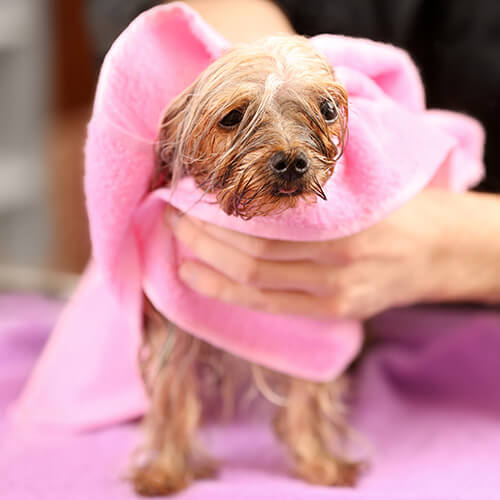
pixel 261 127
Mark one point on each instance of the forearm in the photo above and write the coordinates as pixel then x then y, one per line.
pixel 243 20
pixel 467 264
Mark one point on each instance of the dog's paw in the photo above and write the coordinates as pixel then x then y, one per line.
pixel 328 471
pixel 153 480
pixel 206 469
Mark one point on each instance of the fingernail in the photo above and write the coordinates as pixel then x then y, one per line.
pixel 188 274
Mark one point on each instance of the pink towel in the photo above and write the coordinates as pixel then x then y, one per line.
pixel 87 375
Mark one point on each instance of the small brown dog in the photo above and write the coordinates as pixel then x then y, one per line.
pixel 261 128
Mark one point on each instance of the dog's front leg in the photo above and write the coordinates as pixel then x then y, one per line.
pixel 170 458
pixel 311 424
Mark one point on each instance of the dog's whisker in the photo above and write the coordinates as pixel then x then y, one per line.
pixel 257 193
pixel 318 189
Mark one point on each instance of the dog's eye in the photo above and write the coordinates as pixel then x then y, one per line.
pixel 329 111
pixel 232 119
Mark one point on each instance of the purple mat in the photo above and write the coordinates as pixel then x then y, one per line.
pixel 428 399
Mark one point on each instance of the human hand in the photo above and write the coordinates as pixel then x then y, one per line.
pixel 432 249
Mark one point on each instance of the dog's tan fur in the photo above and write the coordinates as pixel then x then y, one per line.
pixel 278 84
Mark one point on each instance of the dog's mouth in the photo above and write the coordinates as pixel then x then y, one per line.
pixel 290 191
pixel 294 191
pixel 281 190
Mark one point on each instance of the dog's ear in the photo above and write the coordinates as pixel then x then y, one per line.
pixel 168 167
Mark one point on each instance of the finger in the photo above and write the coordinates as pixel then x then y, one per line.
pixel 240 267
pixel 266 248
pixel 211 283
pixel 338 251
pixel 269 249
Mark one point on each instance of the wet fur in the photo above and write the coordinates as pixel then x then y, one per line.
pixel 280 83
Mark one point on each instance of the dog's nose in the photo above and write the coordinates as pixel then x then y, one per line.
pixel 293 165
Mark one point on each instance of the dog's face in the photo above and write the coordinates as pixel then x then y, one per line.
pixel 262 127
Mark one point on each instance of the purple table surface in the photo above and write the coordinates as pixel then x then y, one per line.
pixel 427 398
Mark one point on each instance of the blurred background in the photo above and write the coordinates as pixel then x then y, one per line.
pixel 47 79
pixel 50 52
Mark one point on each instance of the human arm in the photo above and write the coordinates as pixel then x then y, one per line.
pixel 243 20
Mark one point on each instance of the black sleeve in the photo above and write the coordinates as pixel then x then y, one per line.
pixel 456 45
pixel 106 19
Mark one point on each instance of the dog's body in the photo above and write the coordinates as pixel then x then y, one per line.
pixel 261 128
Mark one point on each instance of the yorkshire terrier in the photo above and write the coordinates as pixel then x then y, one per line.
pixel 261 128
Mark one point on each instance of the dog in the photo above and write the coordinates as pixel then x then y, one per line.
pixel 261 129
